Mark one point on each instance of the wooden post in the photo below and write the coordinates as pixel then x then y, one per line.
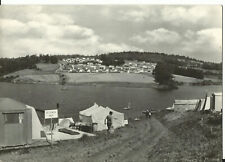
pixel 51 131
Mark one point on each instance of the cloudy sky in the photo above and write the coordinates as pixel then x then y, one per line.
pixel 194 31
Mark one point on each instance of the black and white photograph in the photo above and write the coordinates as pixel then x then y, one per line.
pixel 111 83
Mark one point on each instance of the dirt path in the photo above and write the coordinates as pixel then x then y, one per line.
pixel 133 146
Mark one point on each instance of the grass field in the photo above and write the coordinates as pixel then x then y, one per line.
pixel 47 78
pixel 185 79
pixel 47 67
pixel 24 72
pixel 43 69
pixel 107 77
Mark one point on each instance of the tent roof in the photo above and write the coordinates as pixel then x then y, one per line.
pixel 8 104
pixel 218 94
pixel 109 109
pixel 97 109
pixel 89 111
pixel 186 102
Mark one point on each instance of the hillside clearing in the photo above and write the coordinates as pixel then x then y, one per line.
pixel 48 78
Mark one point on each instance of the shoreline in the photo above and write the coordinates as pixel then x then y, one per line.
pixel 109 84
pixel 101 79
pixel 114 84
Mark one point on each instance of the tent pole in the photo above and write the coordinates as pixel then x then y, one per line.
pixel 51 131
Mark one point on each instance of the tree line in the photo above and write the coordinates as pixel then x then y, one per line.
pixel 212 66
pixel 107 60
pixel 163 73
pixel 156 57
pixel 8 65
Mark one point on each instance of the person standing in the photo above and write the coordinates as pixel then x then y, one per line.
pixel 108 120
pixel 148 113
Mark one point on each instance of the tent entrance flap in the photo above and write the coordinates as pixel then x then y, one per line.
pixel 14 123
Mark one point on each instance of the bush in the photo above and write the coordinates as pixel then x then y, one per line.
pixel 162 74
pixel 215 120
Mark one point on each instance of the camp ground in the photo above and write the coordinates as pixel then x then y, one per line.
pixel 22 126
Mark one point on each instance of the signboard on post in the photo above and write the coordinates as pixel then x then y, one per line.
pixel 49 114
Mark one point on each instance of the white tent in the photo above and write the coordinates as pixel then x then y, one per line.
pixel 202 104
pixel 185 105
pixel 207 103
pixel 37 128
pixel 217 99
pixel 97 114
pixel 65 122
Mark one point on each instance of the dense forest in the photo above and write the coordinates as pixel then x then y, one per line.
pixel 212 66
pixel 147 56
pixel 159 57
pixel 189 72
pixel 109 61
pixel 8 65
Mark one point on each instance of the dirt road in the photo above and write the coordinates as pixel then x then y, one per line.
pixel 132 146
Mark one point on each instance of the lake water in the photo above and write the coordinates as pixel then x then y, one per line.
pixel 77 98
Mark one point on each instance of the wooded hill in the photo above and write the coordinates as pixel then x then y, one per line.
pixel 180 63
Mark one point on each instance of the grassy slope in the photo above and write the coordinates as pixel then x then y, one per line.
pixel 195 137
pixel 45 74
pixel 188 138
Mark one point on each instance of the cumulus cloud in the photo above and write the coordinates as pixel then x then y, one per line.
pixel 55 34
pixel 133 15
pixel 199 15
pixel 194 15
pixel 194 31
pixel 204 44
pixel 157 36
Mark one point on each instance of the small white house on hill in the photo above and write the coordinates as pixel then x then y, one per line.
pixel 96 115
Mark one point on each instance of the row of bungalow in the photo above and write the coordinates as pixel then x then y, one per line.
pixel 91 65
pixel 82 60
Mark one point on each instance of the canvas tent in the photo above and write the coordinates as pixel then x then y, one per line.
pixel 96 115
pixel 65 122
pixel 207 103
pixel 202 104
pixel 19 123
pixel 216 103
pixel 185 105
pixel 213 102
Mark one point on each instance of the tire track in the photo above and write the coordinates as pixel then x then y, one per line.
pixel 133 147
